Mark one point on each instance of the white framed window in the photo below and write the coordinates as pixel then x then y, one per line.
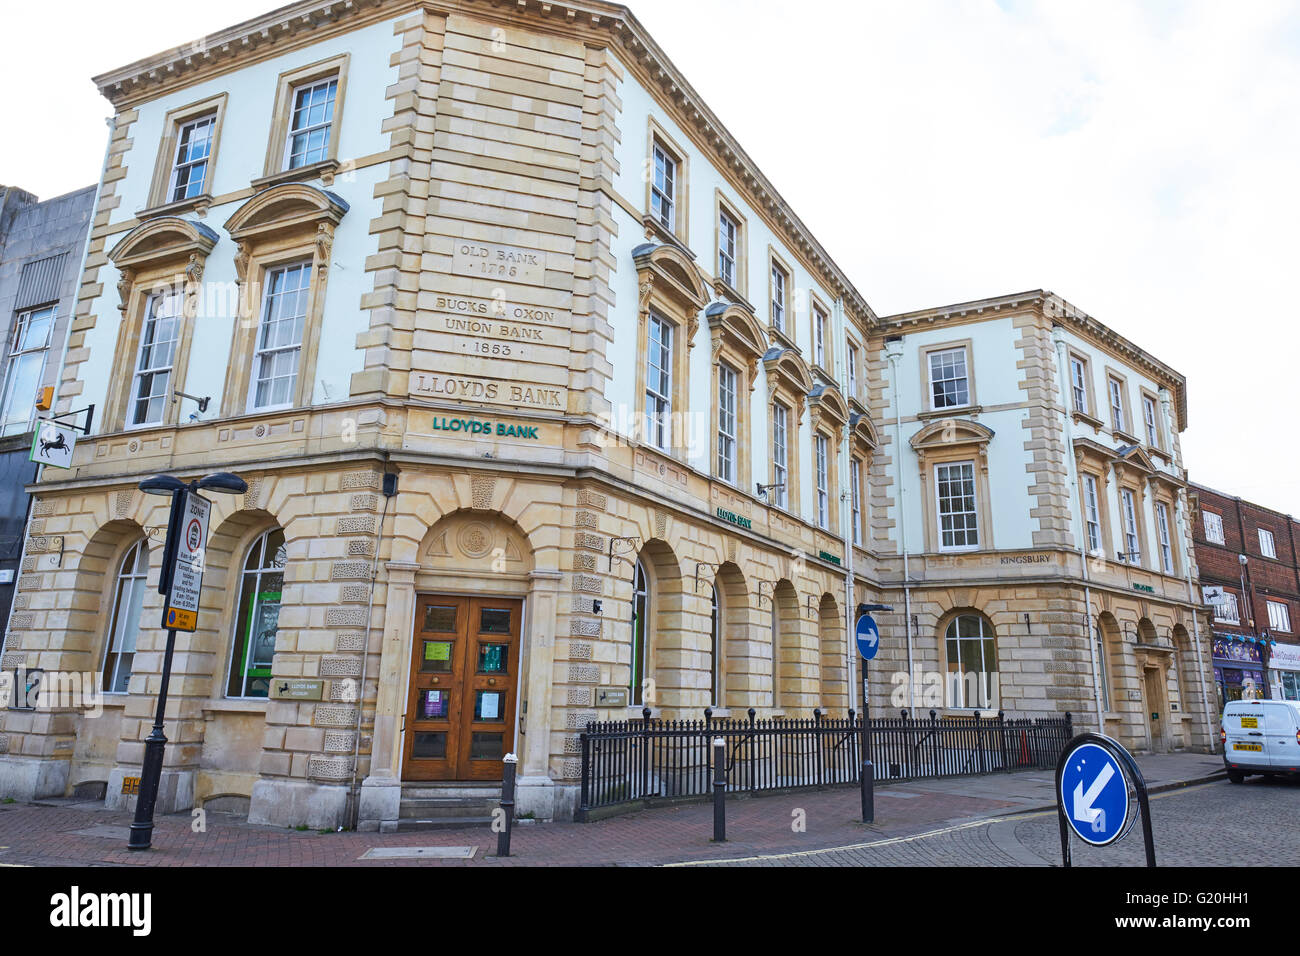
pixel 1213 526
pixel 1079 385
pixel 128 599
pixel 1279 617
pixel 727 233
pixel 257 617
pixel 726 423
pixel 1092 514
pixel 1132 549
pixel 190 165
pixel 25 369
pixel 954 487
pixel 1227 611
pixel 823 490
pixel 1117 416
pixel 949 381
pixel 855 479
pixel 1266 546
pixel 819 337
pixel 663 188
pixel 151 386
pixel 311 122
pixel 279 337
pixel 1166 550
pixel 780 455
pixel 852 356
pixel 1149 419
pixel 778 297
pixel 972 662
pixel 658 383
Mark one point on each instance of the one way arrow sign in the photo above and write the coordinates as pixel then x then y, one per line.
pixel 1095 791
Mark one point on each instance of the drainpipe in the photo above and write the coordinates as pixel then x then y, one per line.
pixel 1184 535
pixel 1077 526
pixel 894 352
pixel 846 509
pixel 354 811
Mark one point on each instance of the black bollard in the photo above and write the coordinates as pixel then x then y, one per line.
pixel 507 804
pixel 719 790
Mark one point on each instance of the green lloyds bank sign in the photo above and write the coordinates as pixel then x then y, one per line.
pixel 472 426
pixel 735 519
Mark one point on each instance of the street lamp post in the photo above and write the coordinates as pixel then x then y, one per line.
pixel 151 772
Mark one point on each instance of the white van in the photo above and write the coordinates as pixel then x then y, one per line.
pixel 1261 736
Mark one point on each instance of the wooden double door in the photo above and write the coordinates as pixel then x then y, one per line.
pixel 460 712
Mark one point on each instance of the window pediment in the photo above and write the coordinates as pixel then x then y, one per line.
pixel 668 270
pixel 738 326
pixel 284 208
pixel 951 432
pixel 826 402
pixel 162 240
pixel 863 431
pixel 787 369
pixel 1135 461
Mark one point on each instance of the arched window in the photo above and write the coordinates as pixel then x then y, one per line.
pixel 257 617
pixel 972 662
pixel 128 598
pixel 640 617
pixel 715 651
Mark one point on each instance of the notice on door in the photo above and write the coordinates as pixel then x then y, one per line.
pixel 181 609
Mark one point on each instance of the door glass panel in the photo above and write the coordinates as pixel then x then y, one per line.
pixel 485 747
pixel 437 657
pixel 441 619
pixel 430 746
pixel 492 658
pixel 433 705
pixel 494 621
pixel 488 704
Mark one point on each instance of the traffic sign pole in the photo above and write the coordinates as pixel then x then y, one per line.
pixel 155 745
pixel 1095 771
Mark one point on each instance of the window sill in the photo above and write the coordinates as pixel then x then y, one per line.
pixel 725 290
pixel 324 171
pixel 199 204
pixel 969 410
pixel 1087 419
pixel 1125 437
pixel 1160 453
pixel 783 338
pixel 657 230
pixel 234 707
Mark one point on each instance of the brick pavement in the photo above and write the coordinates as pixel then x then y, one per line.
pixel 71 833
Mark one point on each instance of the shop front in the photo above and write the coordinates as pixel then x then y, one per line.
pixel 1238 668
pixel 1284 671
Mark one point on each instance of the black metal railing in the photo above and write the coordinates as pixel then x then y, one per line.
pixel 651 760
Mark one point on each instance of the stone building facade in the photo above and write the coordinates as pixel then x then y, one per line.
pixel 41 245
pixel 551 410
pixel 1248 553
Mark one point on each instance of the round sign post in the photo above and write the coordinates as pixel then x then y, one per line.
pixel 867 634
pixel 1093 776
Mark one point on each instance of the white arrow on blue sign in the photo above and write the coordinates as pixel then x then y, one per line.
pixel 1094 793
pixel 868 635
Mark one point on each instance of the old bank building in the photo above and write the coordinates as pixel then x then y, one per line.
pixel 550 409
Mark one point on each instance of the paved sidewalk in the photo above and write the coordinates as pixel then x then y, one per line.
pixel 70 833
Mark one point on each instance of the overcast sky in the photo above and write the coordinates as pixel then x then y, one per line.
pixel 1139 159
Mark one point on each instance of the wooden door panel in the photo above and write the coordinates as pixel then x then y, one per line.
pixel 460 714
pixel 490 682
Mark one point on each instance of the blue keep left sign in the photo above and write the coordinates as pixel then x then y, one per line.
pixel 1094 795
pixel 868 635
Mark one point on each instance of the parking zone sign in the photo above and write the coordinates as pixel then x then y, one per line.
pixel 181 609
